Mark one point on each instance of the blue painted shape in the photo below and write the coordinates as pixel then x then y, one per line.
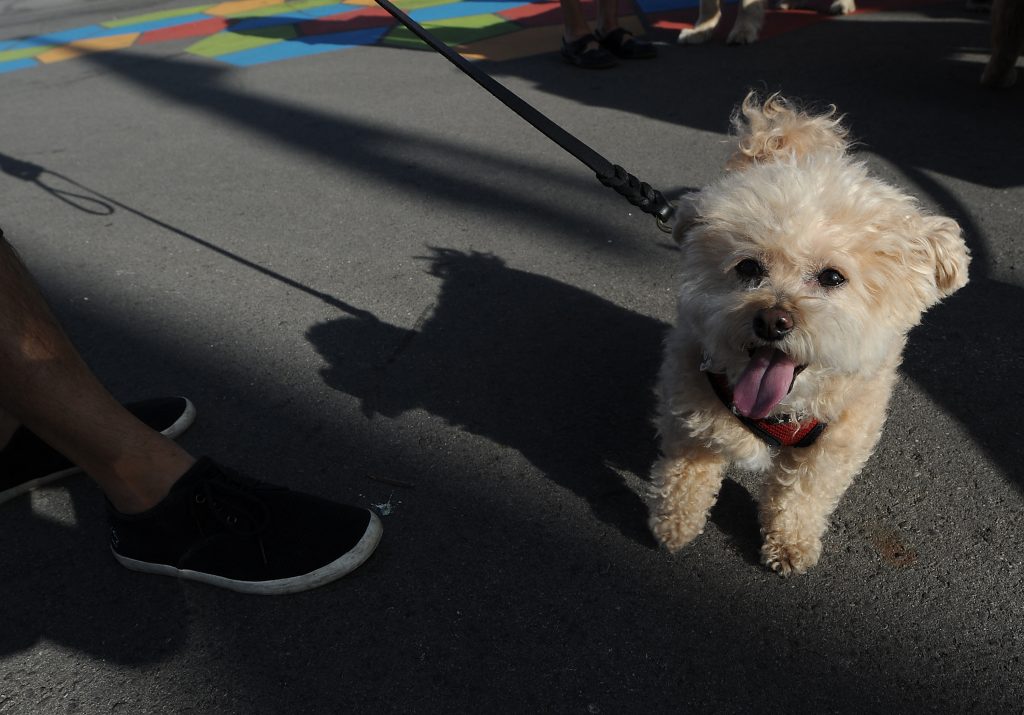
pixel 13 65
pixel 462 9
pixel 351 38
pixel 67 36
pixel 303 46
pixel 255 23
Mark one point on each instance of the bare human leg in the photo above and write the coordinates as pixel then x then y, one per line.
pixel 46 386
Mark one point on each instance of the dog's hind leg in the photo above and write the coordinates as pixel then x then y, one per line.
pixel 684 488
pixel 707 21
pixel 748 23
pixel 1007 43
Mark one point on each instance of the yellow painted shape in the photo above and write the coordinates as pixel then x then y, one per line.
pixel 84 47
pixel 287 7
pixel 234 7
pixel 528 42
pixel 525 43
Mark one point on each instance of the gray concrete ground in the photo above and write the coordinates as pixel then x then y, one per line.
pixel 379 285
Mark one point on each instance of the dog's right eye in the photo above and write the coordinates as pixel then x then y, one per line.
pixel 748 269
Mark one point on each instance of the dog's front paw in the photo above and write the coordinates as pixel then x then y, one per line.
pixel 842 7
pixel 786 555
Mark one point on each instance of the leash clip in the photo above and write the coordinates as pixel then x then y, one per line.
pixel 666 217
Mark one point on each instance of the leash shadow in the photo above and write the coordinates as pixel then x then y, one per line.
pixel 558 374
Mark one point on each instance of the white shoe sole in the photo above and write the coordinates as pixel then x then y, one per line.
pixel 323 575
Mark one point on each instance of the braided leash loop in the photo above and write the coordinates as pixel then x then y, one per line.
pixel 642 195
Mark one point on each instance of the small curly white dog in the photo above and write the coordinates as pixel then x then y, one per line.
pixel 802 276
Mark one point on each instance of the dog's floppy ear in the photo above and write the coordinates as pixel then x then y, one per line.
pixel 686 216
pixel 768 130
pixel 922 259
pixel 942 248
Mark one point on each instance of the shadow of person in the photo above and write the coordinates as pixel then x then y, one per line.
pixel 61 584
pixel 545 368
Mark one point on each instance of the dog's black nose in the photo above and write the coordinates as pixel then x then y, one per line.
pixel 773 323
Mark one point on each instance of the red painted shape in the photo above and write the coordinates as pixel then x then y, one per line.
pixel 346 22
pixel 538 14
pixel 779 22
pixel 181 32
pixel 542 14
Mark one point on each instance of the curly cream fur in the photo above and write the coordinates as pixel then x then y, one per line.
pixel 772 129
pixel 797 203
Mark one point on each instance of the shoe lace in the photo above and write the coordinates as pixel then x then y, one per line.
pixel 235 503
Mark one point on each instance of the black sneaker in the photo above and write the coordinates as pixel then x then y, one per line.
pixel 28 462
pixel 220 528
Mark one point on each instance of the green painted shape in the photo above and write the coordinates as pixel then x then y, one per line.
pixel 24 53
pixel 455 31
pixel 284 8
pixel 224 42
pixel 410 5
pixel 166 14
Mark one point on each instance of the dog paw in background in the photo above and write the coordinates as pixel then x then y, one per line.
pixel 838 7
pixel 801 276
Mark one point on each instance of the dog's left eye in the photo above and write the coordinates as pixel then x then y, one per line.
pixel 830 278
pixel 748 269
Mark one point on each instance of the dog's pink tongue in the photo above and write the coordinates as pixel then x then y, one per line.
pixel 764 383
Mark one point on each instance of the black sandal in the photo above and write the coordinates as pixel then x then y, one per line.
pixel 621 43
pixel 595 58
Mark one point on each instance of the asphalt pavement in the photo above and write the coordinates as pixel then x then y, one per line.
pixel 379 285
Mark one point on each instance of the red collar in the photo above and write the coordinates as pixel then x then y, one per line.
pixel 776 432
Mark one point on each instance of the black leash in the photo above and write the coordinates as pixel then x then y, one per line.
pixel 638 193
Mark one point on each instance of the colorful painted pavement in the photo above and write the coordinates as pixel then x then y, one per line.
pixel 252 32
